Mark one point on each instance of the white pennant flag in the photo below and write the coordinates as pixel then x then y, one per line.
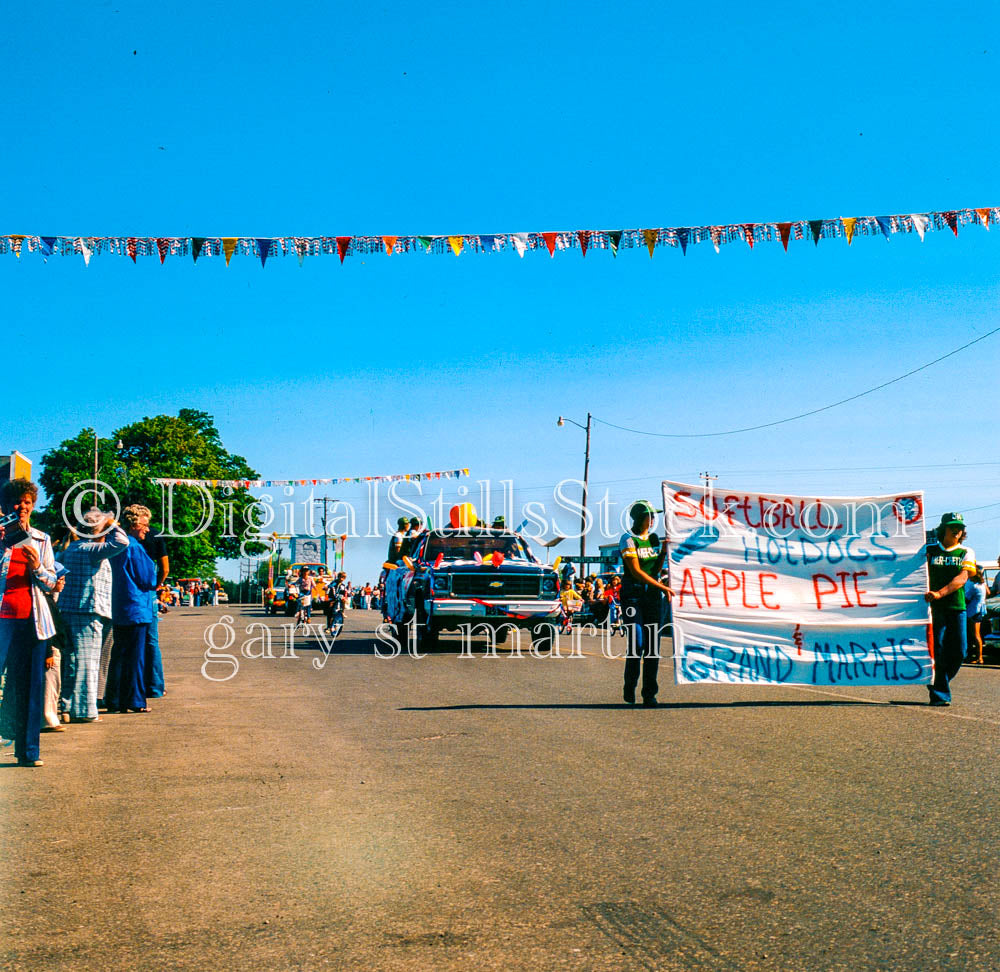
pixel 520 241
pixel 920 224
pixel 86 250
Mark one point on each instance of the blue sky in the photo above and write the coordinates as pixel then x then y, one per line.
pixel 336 119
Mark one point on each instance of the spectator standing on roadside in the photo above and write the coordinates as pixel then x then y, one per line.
pixel 156 685
pixel 27 570
pixel 975 614
pixel 86 607
pixel 132 590
pixel 949 564
pixel 642 594
pixel 995 586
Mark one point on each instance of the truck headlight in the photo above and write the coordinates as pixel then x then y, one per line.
pixel 441 583
pixel 550 584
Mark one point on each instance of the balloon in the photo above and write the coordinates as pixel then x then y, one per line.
pixel 408 562
pixel 497 558
pixel 464 515
pixel 477 557
pixel 556 563
pixel 438 560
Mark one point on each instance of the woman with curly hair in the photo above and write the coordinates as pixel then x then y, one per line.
pixel 133 589
pixel 27 571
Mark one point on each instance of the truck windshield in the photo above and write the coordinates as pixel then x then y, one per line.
pixel 457 547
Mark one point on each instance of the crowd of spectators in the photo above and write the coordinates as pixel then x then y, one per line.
pixel 78 620
pixel 595 599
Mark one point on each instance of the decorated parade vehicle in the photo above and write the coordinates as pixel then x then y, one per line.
pixel 478 576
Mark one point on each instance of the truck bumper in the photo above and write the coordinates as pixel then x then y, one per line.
pixel 456 609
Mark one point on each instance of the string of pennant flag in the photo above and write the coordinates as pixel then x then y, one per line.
pixel 324 481
pixel 263 248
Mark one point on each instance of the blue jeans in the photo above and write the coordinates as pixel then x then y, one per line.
pixel 26 684
pixel 155 684
pixel 642 619
pixel 949 650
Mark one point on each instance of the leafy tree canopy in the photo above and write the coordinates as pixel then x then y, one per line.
pixel 185 446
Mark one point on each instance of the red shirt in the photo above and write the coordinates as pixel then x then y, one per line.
pixel 16 602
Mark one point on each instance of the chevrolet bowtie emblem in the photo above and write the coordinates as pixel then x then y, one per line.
pixel 497 584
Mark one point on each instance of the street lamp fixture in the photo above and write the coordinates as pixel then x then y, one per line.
pixel 586 473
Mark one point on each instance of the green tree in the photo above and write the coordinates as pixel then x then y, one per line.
pixel 185 446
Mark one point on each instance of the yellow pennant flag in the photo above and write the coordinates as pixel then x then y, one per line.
pixel 229 247
pixel 457 242
pixel 849 222
pixel 650 236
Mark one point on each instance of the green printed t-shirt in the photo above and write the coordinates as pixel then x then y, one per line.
pixel 943 565
pixel 643 549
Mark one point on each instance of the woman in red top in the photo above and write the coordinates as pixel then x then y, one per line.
pixel 26 571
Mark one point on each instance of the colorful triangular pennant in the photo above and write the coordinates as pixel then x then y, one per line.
pixel 650 236
pixel 263 249
pixel 229 247
pixel 550 242
pixel 197 242
pixel 456 243
pixel 849 222
pixel 343 242
pixel 784 231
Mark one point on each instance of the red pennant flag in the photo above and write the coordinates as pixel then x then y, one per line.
pixel 984 217
pixel 163 245
pixel 343 242
pixel 130 247
pixel 550 242
pixel 390 244
pixel 784 231
pixel 951 218
pixel 584 237
pixel 748 233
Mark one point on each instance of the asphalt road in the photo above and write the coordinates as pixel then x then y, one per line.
pixel 501 813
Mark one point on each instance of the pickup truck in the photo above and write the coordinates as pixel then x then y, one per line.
pixel 477 576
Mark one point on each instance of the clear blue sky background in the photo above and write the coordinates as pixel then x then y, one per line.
pixel 400 118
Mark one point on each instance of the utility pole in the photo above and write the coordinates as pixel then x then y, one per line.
pixel 325 500
pixel 586 476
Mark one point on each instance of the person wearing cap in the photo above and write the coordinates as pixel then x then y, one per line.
pixel 641 597
pixel 411 536
pixel 949 565
pixel 395 553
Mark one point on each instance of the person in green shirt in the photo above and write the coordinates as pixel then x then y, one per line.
pixel 642 594
pixel 949 564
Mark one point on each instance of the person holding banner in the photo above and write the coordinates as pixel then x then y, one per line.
pixel 949 565
pixel 641 597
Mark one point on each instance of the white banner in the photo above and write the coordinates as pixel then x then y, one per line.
pixel 797 589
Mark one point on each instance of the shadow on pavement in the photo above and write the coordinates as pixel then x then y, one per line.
pixel 663 705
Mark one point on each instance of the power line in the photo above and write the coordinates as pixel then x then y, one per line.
pixel 801 415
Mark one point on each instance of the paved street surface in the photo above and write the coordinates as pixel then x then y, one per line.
pixel 501 813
